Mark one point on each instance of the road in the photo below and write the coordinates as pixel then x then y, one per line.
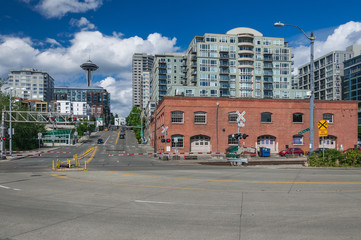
pixel 141 197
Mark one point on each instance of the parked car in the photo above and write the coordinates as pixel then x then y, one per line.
pixel 351 149
pixel 318 150
pixel 100 141
pixel 292 151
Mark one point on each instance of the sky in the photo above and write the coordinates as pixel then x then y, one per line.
pixel 57 36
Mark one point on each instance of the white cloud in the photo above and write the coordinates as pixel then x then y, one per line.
pixel 120 95
pixel 82 23
pixel 59 8
pixel 113 54
pixel 343 36
pixel 52 42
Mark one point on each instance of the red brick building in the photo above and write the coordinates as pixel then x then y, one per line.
pixel 207 124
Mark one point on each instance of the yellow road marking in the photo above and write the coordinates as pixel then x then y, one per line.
pixel 116 141
pixel 201 189
pixel 236 181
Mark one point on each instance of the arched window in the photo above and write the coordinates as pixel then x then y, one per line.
pixel 200 118
pixel 177 117
pixel 328 117
pixel 177 141
pixel 266 117
pixel 298 117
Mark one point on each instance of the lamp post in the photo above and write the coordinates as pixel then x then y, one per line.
pixel 217 125
pixel 312 85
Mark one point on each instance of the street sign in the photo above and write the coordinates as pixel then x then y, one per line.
pixel 240 119
pixel 40 134
pixel 322 133
pixel 175 140
pixel 303 131
pixel 322 124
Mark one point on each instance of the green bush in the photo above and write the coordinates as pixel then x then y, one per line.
pixel 335 158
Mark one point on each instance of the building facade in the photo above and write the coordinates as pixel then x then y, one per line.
pixel 351 84
pixel 328 73
pixel 141 62
pixel 31 84
pixel 73 108
pixel 207 124
pixel 146 88
pixel 239 64
pixel 93 96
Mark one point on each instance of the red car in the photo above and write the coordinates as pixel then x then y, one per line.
pixel 292 151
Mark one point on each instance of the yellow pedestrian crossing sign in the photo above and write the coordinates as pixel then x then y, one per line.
pixel 322 124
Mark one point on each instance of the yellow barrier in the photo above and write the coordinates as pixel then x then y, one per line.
pixel 77 159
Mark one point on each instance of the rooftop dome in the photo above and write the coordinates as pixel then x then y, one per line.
pixel 241 30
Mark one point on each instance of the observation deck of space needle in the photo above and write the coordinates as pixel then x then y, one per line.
pixel 89 67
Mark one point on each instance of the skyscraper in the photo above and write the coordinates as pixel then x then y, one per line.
pixel 239 64
pixel 141 63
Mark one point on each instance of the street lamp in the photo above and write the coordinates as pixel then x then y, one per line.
pixel 312 86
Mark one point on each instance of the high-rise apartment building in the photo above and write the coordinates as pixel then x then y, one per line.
pixel 145 89
pixel 31 84
pixel 328 73
pixel 351 84
pixel 141 63
pixel 239 64
pixel 168 71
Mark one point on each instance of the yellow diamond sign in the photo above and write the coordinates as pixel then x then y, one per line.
pixel 322 124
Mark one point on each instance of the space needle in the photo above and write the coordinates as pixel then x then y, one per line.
pixel 89 66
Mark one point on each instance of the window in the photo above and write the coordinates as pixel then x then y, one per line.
pixel 297 140
pixel 328 117
pixel 177 117
pixel 200 118
pixel 232 117
pixel 298 117
pixel 266 117
pixel 232 140
pixel 177 141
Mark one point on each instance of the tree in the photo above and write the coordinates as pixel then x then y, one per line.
pixel 134 120
pixel 25 134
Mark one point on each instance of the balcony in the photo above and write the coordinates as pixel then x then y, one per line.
pixel 194 72
pixel 224 71
pixel 245 51
pixel 223 56
pixel 224 86
pixel 268 73
pixel 162 65
pixel 267 58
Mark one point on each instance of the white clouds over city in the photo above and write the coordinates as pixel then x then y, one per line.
pixel 343 36
pixel 113 54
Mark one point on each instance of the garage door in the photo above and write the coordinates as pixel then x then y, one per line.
pixel 200 143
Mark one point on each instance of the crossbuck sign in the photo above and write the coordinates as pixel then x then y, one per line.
pixel 240 119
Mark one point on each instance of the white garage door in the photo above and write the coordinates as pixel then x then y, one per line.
pixel 200 143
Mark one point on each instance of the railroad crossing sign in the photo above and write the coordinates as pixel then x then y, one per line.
pixel 164 131
pixel 322 124
pixel 240 119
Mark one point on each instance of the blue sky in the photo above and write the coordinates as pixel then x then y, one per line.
pixel 57 36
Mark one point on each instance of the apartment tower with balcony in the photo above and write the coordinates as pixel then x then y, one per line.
pixel 239 64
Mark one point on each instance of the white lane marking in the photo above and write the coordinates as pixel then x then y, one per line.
pixel 141 201
pixel 107 140
pixel 9 188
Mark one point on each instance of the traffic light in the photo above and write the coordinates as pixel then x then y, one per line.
pixel 244 136
pixel 53 119
pixel 168 140
pixel 74 119
pixel 4 138
pixel 163 140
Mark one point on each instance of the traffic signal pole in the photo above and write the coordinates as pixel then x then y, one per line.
pixel 3 135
